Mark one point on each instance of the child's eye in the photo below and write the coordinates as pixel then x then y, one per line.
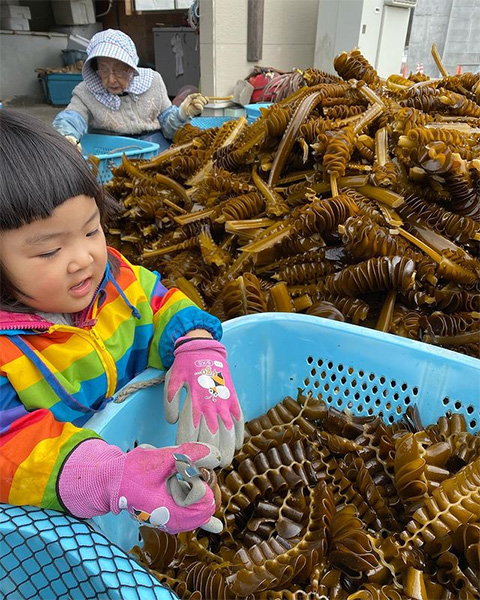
pixel 91 233
pixel 49 254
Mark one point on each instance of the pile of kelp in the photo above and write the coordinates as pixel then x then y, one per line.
pixel 322 505
pixel 354 198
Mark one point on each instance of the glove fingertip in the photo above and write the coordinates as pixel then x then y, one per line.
pixel 212 459
pixel 171 401
pixel 239 434
pixel 213 525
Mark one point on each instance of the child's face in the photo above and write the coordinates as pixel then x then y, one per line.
pixel 57 262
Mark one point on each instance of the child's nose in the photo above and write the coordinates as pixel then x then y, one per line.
pixel 81 260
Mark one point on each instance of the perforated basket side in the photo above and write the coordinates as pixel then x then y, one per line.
pixel 44 554
pixel 354 368
pixel 208 122
pixel 106 165
pixel 109 149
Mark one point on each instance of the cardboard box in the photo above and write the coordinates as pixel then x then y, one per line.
pixel 9 11
pixel 73 12
pixel 15 24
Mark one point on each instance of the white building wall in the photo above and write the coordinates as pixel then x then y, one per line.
pixel 21 52
pixel 288 40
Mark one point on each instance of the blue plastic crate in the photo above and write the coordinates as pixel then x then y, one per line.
pixel 253 110
pixel 58 87
pixel 273 354
pixel 270 356
pixel 71 56
pixel 208 122
pixel 109 149
pixel 46 555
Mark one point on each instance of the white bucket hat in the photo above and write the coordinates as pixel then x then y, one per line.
pixel 113 43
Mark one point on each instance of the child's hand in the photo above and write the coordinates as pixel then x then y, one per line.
pixel 99 478
pixel 211 412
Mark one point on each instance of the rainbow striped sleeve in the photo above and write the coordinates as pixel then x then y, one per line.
pixel 173 316
pixel 33 447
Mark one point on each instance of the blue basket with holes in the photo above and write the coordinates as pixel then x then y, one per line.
pixel 109 150
pixel 253 110
pixel 208 122
pixel 270 356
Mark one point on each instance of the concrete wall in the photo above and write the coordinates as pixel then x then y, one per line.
pixel 462 46
pixel 21 53
pixel 454 25
pixel 288 40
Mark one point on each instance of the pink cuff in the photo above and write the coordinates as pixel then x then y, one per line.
pixel 90 478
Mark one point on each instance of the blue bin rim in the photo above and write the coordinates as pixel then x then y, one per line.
pixel 233 330
pixel 64 76
pixel 360 332
pixel 140 146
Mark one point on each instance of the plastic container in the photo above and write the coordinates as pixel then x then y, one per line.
pixel 58 87
pixel 71 56
pixel 253 110
pixel 73 12
pixel 11 11
pixel 207 122
pixel 270 355
pixel 109 149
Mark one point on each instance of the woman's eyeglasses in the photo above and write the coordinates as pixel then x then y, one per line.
pixel 104 72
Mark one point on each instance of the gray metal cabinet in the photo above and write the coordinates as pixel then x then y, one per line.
pixel 177 48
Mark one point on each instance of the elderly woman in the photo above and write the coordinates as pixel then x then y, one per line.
pixel 118 97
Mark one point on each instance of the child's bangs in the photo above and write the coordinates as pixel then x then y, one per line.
pixel 33 190
pixel 39 170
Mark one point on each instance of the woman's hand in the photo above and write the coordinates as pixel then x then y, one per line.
pixel 192 105
pixel 73 140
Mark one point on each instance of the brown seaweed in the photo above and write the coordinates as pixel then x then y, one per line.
pixel 309 513
pixel 240 198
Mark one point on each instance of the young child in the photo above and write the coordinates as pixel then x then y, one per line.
pixel 78 322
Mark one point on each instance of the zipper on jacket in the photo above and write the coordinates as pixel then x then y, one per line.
pixel 107 360
pixel 108 363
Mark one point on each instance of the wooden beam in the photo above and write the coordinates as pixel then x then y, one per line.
pixel 255 30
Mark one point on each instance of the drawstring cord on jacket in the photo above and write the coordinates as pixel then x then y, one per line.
pixel 135 387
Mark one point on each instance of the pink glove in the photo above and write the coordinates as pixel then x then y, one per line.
pixel 99 478
pixel 211 412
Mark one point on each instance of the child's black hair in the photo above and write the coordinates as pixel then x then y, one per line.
pixel 39 170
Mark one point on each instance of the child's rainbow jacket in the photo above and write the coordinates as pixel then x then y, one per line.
pixel 53 378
